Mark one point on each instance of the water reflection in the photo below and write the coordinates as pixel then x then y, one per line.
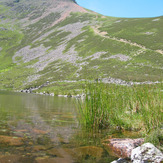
pixel 40 114
pixel 44 129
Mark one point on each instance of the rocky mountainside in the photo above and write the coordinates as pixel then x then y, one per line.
pixel 60 42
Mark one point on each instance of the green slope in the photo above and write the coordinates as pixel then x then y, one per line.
pixel 39 43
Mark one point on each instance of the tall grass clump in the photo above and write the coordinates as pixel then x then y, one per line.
pixel 93 110
pixel 125 107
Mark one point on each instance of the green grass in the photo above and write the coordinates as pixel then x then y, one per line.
pixel 33 30
pixel 94 43
pixel 137 108
pixel 130 108
pixel 16 77
pixel 63 88
pixel 136 29
pixel 3 9
pixel 10 38
pixel 51 73
pixel 142 67
pixel 53 40
pixel 77 17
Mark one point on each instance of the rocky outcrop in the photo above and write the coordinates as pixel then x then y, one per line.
pixel 146 153
pixel 123 147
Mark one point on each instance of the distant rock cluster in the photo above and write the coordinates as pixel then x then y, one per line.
pixel 123 82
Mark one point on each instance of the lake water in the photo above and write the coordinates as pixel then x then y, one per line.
pixel 45 129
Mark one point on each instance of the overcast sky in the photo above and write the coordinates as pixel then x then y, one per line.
pixel 125 8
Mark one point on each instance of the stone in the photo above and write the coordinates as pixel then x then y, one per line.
pixel 85 151
pixel 11 141
pixel 3 29
pixel 120 160
pixel 122 147
pixel 90 151
pixel 51 94
pixel 54 152
pixel 146 153
pixel 53 160
pixel 39 131
pixel 13 158
pixel 9 158
pixel 38 148
pixel 19 133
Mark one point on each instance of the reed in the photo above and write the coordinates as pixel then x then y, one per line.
pixel 138 107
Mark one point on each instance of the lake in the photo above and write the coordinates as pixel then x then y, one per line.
pixel 39 129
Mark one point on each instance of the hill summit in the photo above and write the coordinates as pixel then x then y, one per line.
pixel 60 42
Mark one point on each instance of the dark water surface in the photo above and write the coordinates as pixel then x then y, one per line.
pixel 45 129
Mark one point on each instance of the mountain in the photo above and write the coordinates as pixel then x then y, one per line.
pixel 57 43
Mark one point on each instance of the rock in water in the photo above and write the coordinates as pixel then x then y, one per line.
pixel 11 141
pixel 146 153
pixel 123 147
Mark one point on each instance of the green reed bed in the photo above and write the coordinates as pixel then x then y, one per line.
pixel 138 107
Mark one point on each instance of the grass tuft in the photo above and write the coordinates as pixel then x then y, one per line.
pixel 130 108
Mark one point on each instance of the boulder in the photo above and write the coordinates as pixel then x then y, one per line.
pixel 11 141
pixel 123 147
pixel 120 160
pixel 51 94
pixel 146 153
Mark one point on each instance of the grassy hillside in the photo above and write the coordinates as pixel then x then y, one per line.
pixel 147 31
pixel 60 41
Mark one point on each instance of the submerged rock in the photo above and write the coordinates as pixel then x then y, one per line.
pixel 38 148
pixel 146 153
pixel 11 141
pixel 85 152
pixel 123 147
pixel 14 159
pixel 54 152
pixel 39 131
pixel 89 151
pixel 53 160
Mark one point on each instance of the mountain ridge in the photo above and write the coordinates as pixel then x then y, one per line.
pixel 59 40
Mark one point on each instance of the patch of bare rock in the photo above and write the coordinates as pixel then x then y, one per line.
pixel 133 150
pixel 44 58
pixel 121 57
